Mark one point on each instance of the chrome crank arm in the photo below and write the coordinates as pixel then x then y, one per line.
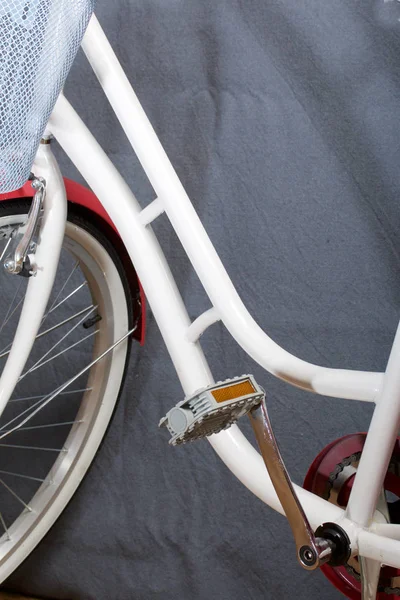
pixel 312 551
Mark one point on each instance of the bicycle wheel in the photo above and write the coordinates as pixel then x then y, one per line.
pixel 48 441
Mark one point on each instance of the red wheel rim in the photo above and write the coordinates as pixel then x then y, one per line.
pixel 319 480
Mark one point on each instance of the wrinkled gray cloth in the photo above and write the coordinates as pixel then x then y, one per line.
pixel 282 119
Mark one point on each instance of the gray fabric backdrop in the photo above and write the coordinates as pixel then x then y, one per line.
pixel 282 119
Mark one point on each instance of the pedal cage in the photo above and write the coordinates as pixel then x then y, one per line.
pixel 212 409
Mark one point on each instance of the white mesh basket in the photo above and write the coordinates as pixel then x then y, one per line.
pixel 38 43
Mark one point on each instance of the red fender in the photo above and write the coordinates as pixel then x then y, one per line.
pixel 80 195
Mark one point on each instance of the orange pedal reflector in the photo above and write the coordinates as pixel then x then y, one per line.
pixel 231 392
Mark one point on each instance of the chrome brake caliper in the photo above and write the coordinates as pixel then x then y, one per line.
pixel 21 250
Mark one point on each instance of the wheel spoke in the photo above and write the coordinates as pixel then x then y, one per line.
pixel 75 316
pixel 38 406
pixel 21 476
pixel 5 249
pixel 27 410
pixel 42 397
pixel 38 363
pixel 63 424
pixel 10 308
pixel 76 290
pixel 4 526
pixel 6 349
pixel 21 447
pixel 45 362
pixel 13 312
pixel 15 494
pixel 61 291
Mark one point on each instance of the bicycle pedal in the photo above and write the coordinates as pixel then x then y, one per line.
pixel 212 409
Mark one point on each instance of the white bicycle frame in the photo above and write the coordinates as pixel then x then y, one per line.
pixel 368 535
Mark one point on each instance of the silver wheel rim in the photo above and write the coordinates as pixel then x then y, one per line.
pixel 95 408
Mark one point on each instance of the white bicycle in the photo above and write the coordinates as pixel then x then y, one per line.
pixel 67 250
